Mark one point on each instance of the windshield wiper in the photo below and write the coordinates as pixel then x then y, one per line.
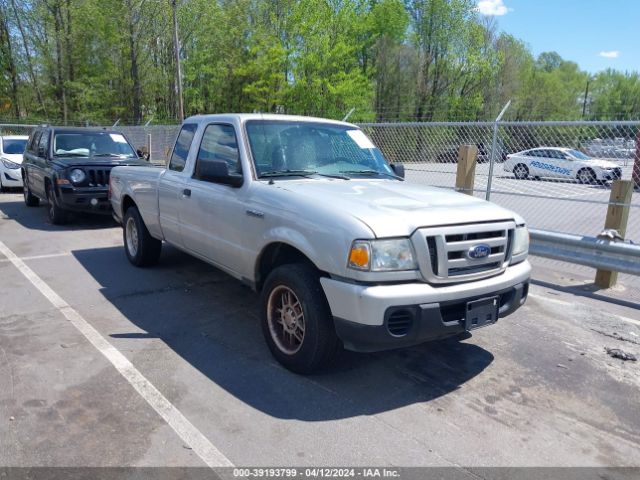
pixel 332 175
pixel 111 155
pixel 372 172
pixel 300 173
pixel 70 154
pixel 287 173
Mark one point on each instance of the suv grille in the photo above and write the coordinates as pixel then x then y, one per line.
pixel 447 252
pixel 98 177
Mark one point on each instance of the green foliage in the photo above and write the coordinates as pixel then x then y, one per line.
pixel 95 61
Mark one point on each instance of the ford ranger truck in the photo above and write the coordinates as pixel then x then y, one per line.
pixel 343 251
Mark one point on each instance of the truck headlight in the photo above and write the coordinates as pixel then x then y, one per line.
pixel 520 244
pixel 77 176
pixel 10 165
pixel 382 255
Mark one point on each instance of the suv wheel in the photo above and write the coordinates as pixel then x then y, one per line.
pixel 57 215
pixel 296 319
pixel 30 200
pixel 141 248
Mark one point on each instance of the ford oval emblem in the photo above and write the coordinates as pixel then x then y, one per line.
pixel 479 251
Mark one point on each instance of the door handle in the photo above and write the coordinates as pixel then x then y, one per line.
pixel 186 192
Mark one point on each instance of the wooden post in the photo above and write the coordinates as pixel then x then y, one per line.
pixel 617 217
pixel 466 174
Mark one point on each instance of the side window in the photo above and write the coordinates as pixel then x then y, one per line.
pixel 44 143
pixel 181 150
pixel 35 140
pixel 219 144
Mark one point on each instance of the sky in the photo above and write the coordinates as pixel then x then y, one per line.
pixel 596 34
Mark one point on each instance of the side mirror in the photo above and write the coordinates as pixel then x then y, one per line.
pixel 143 153
pixel 42 152
pixel 217 171
pixel 398 169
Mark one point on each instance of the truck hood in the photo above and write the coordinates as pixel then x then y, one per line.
pixel 392 208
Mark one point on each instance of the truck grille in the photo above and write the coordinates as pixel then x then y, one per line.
pixel 98 177
pixel 446 254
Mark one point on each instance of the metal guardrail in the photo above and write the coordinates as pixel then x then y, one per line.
pixel 604 254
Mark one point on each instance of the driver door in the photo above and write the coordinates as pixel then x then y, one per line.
pixel 212 215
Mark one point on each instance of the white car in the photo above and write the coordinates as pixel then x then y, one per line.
pixel 555 162
pixel 11 150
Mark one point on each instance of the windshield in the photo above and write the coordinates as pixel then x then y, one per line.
pixel 92 144
pixel 579 155
pixel 281 147
pixel 13 146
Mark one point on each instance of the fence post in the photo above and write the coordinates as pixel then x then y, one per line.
pixel 635 171
pixel 494 144
pixel 466 173
pixel 149 145
pixel 617 217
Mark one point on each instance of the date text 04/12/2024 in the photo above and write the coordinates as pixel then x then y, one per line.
pixel 324 472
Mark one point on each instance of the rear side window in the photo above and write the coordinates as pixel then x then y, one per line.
pixel 33 144
pixel 181 149
pixel 44 143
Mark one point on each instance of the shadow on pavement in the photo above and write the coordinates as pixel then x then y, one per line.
pixel 590 290
pixel 35 218
pixel 212 321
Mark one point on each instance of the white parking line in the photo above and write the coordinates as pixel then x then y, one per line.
pixel 176 420
pixel 38 257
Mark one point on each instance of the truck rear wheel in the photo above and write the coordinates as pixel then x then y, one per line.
pixel 296 319
pixel 141 248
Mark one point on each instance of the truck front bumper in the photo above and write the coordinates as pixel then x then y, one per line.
pixel 362 313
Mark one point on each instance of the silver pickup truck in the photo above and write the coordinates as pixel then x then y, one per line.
pixel 343 251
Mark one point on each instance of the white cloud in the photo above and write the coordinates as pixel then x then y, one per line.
pixel 610 54
pixel 492 7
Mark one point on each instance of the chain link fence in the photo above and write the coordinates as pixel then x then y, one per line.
pixel 557 175
pixel 568 194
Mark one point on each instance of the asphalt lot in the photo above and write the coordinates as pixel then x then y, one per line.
pixel 536 389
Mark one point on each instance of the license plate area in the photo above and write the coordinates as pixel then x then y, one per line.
pixel 480 313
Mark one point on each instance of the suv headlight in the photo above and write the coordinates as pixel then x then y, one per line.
pixel 10 165
pixel 382 255
pixel 520 244
pixel 77 176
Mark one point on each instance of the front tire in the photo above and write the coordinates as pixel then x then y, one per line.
pixel 30 200
pixel 586 176
pixel 521 171
pixel 141 248
pixel 57 215
pixel 296 319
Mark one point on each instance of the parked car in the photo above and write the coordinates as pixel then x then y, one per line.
pixel 11 150
pixel 69 169
pixel 566 163
pixel 309 213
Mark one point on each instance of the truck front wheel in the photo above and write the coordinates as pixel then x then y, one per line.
pixel 142 249
pixel 296 319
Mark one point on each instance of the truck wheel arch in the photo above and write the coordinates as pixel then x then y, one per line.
pixel 127 202
pixel 276 254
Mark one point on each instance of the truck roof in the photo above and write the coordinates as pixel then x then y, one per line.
pixel 243 117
